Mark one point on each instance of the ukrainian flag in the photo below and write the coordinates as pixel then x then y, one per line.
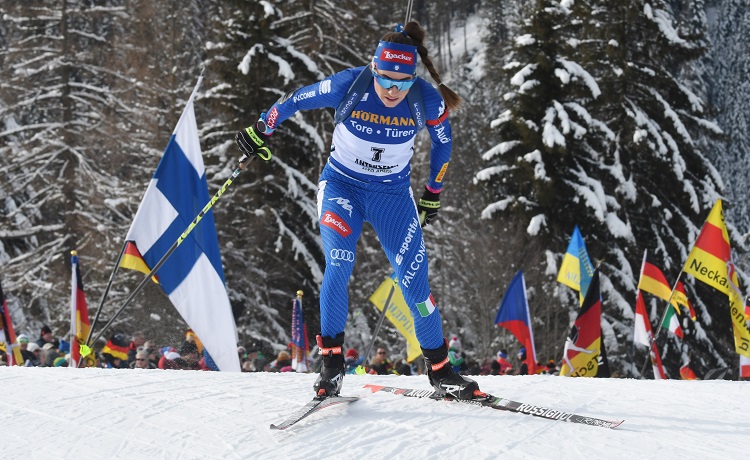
pixel 576 269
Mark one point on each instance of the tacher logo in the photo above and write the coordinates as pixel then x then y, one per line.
pixel 397 56
pixel 337 223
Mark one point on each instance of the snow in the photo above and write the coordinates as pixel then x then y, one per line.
pixel 133 414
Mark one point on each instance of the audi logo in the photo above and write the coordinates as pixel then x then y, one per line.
pixel 341 254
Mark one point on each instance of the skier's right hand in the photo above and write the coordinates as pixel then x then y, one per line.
pixel 252 141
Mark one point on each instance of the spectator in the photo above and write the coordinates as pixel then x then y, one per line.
pixel 23 345
pixel 168 360
pixel 46 336
pixel 60 361
pixel 283 362
pixel 524 369
pixel 402 367
pixel 191 337
pixel 552 368
pixel 137 340
pixel 50 355
pixel 142 361
pixel 152 352
pixel 380 364
pixel 352 361
pixel 189 356
pixel 455 357
pixel 115 351
pixel 36 352
pixel 501 364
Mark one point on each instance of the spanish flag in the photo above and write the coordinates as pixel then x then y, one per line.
pixel 710 261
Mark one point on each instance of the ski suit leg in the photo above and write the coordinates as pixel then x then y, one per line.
pixel 393 214
pixel 340 219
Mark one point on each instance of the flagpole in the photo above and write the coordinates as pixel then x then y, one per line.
pixel 125 244
pixel 243 162
pixel 106 293
pixel 632 345
pixel 366 357
pixel 658 329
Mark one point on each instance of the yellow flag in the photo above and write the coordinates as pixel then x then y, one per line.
pixel 710 261
pixel 398 313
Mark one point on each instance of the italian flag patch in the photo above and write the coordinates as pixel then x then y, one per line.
pixel 427 307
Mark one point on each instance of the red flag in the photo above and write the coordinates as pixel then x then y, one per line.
pixel 79 313
pixel 643 335
pixel 686 373
pixel 9 335
pixel 744 367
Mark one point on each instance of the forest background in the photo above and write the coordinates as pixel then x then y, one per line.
pixel 627 118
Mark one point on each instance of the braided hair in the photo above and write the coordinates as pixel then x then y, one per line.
pixel 413 34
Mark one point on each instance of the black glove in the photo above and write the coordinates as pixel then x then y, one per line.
pixel 252 141
pixel 428 207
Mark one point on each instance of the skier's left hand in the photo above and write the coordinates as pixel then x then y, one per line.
pixel 428 207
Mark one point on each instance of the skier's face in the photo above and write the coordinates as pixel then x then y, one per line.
pixel 392 96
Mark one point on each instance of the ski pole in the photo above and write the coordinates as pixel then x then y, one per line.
pixel 243 162
pixel 366 357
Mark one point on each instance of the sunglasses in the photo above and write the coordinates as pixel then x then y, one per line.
pixel 387 83
pixel 381 352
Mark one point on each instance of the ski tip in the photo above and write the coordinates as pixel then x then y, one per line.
pixel 274 427
pixel 374 388
pixel 617 423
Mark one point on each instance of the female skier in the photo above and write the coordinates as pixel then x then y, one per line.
pixel 379 110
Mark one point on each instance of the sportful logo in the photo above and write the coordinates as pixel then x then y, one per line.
pixel 407 241
pixel 337 223
pixel 397 56
pixel 342 254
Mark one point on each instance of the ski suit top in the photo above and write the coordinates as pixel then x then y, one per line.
pixel 376 143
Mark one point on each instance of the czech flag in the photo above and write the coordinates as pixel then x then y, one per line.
pixel 514 316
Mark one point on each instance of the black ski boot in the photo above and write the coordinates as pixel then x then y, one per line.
pixel 331 376
pixel 444 380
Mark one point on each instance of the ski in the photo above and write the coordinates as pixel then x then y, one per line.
pixel 498 403
pixel 313 406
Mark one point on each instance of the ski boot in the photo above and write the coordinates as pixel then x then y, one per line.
pixel 444 380
pixel 331 376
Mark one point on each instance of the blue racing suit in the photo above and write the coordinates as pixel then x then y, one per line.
pixel 366 179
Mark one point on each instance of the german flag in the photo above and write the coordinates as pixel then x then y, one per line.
pixel 582 356
pixel 132 259
pixel 117 347
pixel 80 323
